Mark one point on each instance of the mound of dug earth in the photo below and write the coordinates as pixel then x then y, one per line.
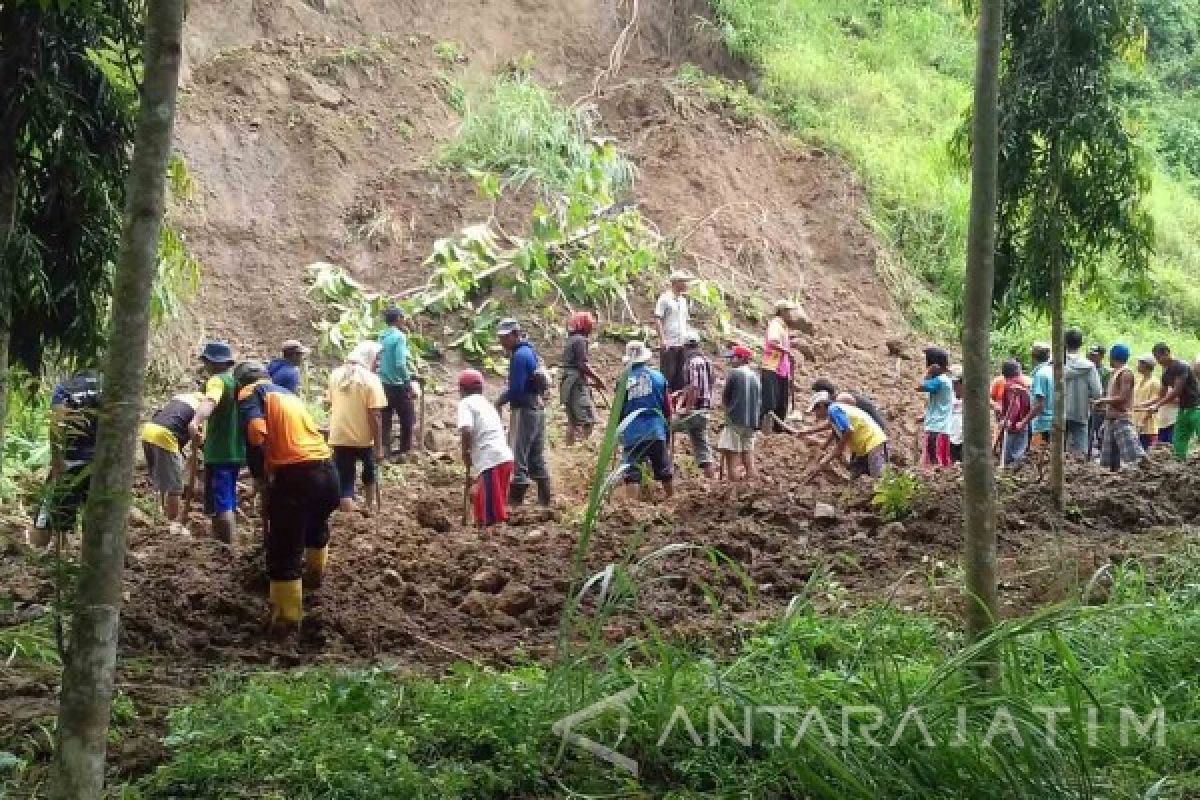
pixel 421 589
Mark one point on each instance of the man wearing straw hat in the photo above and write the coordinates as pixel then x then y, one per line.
pixel 672 320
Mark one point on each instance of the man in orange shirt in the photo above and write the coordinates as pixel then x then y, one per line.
pixel 291 456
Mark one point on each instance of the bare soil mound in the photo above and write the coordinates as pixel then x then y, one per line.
pixel 415 586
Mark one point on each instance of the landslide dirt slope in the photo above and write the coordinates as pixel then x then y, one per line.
pixel 298 120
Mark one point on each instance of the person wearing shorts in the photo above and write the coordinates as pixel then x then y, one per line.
pixel 216 425
pixel 645 416
pixel 356 403
pixel 741 397
pixel 164 438
pixel 854 432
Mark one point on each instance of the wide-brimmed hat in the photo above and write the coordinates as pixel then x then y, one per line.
pixel 294 345
pixel 217 352
pixel 679 276
pixel 783 304
pixel 637 353
pixel 819 399
pixel 506 326
pixel 692 337
pixel 1147 359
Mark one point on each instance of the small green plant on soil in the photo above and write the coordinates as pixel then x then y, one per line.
pixel 449 52
pixel 517 129
pixel 735 99
pixel 896 494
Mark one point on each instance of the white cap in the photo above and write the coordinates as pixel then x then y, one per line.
pixel 819 399
pixel 637 353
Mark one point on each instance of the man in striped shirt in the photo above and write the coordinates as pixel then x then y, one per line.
pixel 695 403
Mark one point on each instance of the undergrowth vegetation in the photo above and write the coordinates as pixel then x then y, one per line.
pixel 886 83
pixel 872 705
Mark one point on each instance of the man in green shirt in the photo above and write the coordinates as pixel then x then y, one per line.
pixel 397 381
pixel 216 425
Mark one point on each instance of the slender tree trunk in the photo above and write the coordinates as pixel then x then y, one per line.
pixel 979 485
pixel 4 340
pixel 92 653
pixel 8 214
pixel 1058 438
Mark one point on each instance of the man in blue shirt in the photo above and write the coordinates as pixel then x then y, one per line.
pixel 645 418
pixel 285 371
pixel 397 381
pixel 527 383
pixel 939 407
pixel 1041 409
pixel 75 416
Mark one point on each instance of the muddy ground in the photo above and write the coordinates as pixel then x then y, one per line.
pixel 416 588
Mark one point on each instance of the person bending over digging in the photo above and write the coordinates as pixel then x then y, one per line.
pixel 356 403
pixel 301 493
pixel 163 439
pixel 853 431
pixel 1121 442
pixel 645 416
pixel 485 453
pixel 578 378
pixel 741 398
pixel 75 409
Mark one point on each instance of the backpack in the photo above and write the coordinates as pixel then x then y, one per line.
pixel 83 398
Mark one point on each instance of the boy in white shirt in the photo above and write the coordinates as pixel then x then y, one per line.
pixel 485 451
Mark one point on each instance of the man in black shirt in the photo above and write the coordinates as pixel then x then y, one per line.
pixel 1180 386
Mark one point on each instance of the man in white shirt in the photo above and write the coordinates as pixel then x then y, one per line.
pixel 485 451
pixel 671 318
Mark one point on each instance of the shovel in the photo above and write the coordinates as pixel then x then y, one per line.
pixel 466 516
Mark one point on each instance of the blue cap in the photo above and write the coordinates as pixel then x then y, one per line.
pixel 1119 352
pixel 506 326
pixel 217 353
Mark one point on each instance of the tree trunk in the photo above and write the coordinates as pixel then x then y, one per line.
pixel 91 655
pixel 979 485
pixel 1058 438
pixel 4 340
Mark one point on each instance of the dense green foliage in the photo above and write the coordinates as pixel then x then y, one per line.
pixel 885 83
pixel 480 734
pixel 64 141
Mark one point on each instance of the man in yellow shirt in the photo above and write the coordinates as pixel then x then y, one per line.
pixel 1145 391
pixel 853 430
pixel 301 494
pixel 356 403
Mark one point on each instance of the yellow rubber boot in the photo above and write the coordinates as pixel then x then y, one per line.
pixel 287 606
pixel 315 560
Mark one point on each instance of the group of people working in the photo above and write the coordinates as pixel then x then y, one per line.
pixel 248 415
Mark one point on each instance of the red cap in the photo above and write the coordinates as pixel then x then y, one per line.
pixel 581 322
pixel 470 379
pixel 741 351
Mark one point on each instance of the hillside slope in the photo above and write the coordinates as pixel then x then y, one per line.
pixel 300 122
